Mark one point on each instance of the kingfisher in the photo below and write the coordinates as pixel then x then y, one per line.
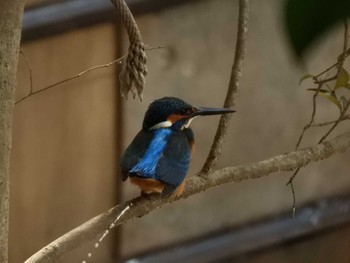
pixel 158 158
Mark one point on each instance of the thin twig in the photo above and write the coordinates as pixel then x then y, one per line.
pixel 327 79
pixel 312 117
pixel 29 69
pixel 345 46
pixel 142 206
pixel 232 92
pixel 294 200
pixel 347 53
pixel 346 117
pixel 119 60
pixel 341 59
pixel 341 117
pixel 327 69
pixel 292 177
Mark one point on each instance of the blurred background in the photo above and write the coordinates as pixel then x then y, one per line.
pixel 68 139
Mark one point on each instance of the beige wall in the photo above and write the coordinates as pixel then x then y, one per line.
pixel 64 142
pixel 65 147
pixel 271 111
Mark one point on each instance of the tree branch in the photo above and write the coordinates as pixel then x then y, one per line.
pixel 141 206
pixel 116 61
pixel 11 14
pixel 232 92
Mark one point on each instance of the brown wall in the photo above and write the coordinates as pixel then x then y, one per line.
pixel 64 143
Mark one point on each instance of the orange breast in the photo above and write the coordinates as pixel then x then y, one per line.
pixel 148 185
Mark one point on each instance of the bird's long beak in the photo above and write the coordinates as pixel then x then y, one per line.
pixel 201 111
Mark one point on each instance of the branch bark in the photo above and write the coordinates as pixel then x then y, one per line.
pixel 141 206
pixel 232 92
pixel 11 13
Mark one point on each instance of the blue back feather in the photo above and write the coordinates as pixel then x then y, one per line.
pixel 146 167
pixel 173 166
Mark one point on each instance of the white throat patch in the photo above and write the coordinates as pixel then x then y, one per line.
pixel 168 124
pixel 163 124
pixel 188 123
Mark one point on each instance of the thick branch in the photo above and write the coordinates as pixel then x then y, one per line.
pixel 11 13
pixel 196 184
pixel 232 92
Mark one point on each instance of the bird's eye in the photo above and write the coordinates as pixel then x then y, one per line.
pixel 190 111
pixel 187 112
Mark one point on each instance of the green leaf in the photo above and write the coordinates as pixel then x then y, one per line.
pixel 329 96
pixel 342 80
pixel 307 76
pixel 307 20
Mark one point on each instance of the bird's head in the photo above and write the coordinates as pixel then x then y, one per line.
pixel 173 112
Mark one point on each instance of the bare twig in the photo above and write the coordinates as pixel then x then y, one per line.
pixel 29 69
pixel 347 53
pixel 345 47
pixel 236 72
pixel 142 206
pixel 307 126
pixel 345 118
pixel 341 117
pixel 339 64
pixel 327 79
pixel 294 201
pixel 117 61
pixel 327 69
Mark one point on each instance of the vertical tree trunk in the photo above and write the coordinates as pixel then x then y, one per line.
pixel 11 13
